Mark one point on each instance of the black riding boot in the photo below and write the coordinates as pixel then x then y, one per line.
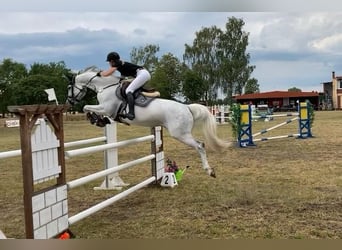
pixel 130 99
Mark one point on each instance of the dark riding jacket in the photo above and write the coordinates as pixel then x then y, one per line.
pixel 127 68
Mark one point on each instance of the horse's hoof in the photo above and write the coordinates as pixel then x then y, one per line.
pixel 212 173
pixel 106 120
pixel 91 118
pixel 101 123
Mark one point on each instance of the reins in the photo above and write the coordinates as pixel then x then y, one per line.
pixel 108 86
pixel 111 85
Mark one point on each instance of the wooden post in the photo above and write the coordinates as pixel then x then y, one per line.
pixel 28 115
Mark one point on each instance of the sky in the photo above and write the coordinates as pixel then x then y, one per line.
pixel 289 47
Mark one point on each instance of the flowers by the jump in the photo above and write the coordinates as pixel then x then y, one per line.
pixel 171 167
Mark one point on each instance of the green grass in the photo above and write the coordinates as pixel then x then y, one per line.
pixel 280 189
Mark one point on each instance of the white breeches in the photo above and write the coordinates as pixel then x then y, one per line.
pixel 142 77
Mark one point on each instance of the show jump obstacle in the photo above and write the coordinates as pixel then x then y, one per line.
pixel 247 138
pixel 43 161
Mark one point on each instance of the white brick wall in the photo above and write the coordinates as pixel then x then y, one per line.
pixel 50 213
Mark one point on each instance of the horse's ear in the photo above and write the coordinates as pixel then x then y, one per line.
pixel 69 76
pixel 90 68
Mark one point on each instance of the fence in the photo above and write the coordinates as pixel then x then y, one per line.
pixel 221 113
pixel 43 159
pixel 247 138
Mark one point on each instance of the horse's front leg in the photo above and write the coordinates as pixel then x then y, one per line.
pixel 95 115
pixel 98 109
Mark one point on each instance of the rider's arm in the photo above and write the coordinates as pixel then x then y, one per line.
pixel 108 72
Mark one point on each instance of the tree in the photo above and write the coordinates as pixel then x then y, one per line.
pixel 145 56
pixel 31 89
pixel 220 59
pixel 193 86
pixel 252 86
pixel 167 76
pixel 201 58
pixel 294 89
pixel 235 70
pixel 10 74
pixel 58 73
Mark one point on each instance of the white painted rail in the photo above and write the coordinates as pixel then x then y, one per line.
pixel 15 153
pixel 276 126
pixel 106 203
pixel 93 149
pixel 11 153
pixel 85 141
pixel 103 173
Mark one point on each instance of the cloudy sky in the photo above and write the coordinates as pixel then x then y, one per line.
pixel 289 48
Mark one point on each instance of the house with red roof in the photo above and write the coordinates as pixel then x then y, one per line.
pixel 280 100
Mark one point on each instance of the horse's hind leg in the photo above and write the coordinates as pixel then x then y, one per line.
pixel 201 150
pixel 199 146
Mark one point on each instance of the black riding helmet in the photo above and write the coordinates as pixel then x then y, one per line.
pixel 113 56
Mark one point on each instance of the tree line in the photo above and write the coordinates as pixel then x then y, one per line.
pixel 214 68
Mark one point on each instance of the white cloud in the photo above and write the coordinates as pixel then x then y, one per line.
pixel 156 24
pixel 282 75
pixel 286 48
pixel 331 44
pixel 294 32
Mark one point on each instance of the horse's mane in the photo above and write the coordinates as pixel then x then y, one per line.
pixel 90 68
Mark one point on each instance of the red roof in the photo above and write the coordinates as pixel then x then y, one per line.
pixel 277 94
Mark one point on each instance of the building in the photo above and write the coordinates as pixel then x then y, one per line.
pixel 332 93
pixel 280 100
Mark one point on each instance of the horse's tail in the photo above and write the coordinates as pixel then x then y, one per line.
pixel 202 116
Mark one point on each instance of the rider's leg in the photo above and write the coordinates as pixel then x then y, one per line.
pixel 142 77
pixel 130 99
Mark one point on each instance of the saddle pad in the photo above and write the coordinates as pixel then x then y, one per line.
pixel 140 99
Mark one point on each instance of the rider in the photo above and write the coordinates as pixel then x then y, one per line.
pixel 127 69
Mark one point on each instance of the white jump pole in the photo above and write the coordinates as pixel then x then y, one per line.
pixel 93 149
pixel 101 205
pixel 103 173
pixel 9 154
pixel 15 153
pixel 276 126
pixel 277 115
pixel 275 137
pixel 85 141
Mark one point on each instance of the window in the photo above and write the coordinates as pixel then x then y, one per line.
pixel 339 86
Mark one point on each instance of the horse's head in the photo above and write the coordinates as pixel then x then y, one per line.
pixel 76 90
pixel 85 79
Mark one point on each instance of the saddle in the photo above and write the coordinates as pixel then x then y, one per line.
pixel 142 97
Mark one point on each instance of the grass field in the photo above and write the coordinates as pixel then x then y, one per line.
pixel 280 189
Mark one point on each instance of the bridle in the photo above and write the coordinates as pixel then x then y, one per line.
pixel 78 97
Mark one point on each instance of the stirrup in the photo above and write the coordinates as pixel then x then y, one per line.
pixel 130 116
